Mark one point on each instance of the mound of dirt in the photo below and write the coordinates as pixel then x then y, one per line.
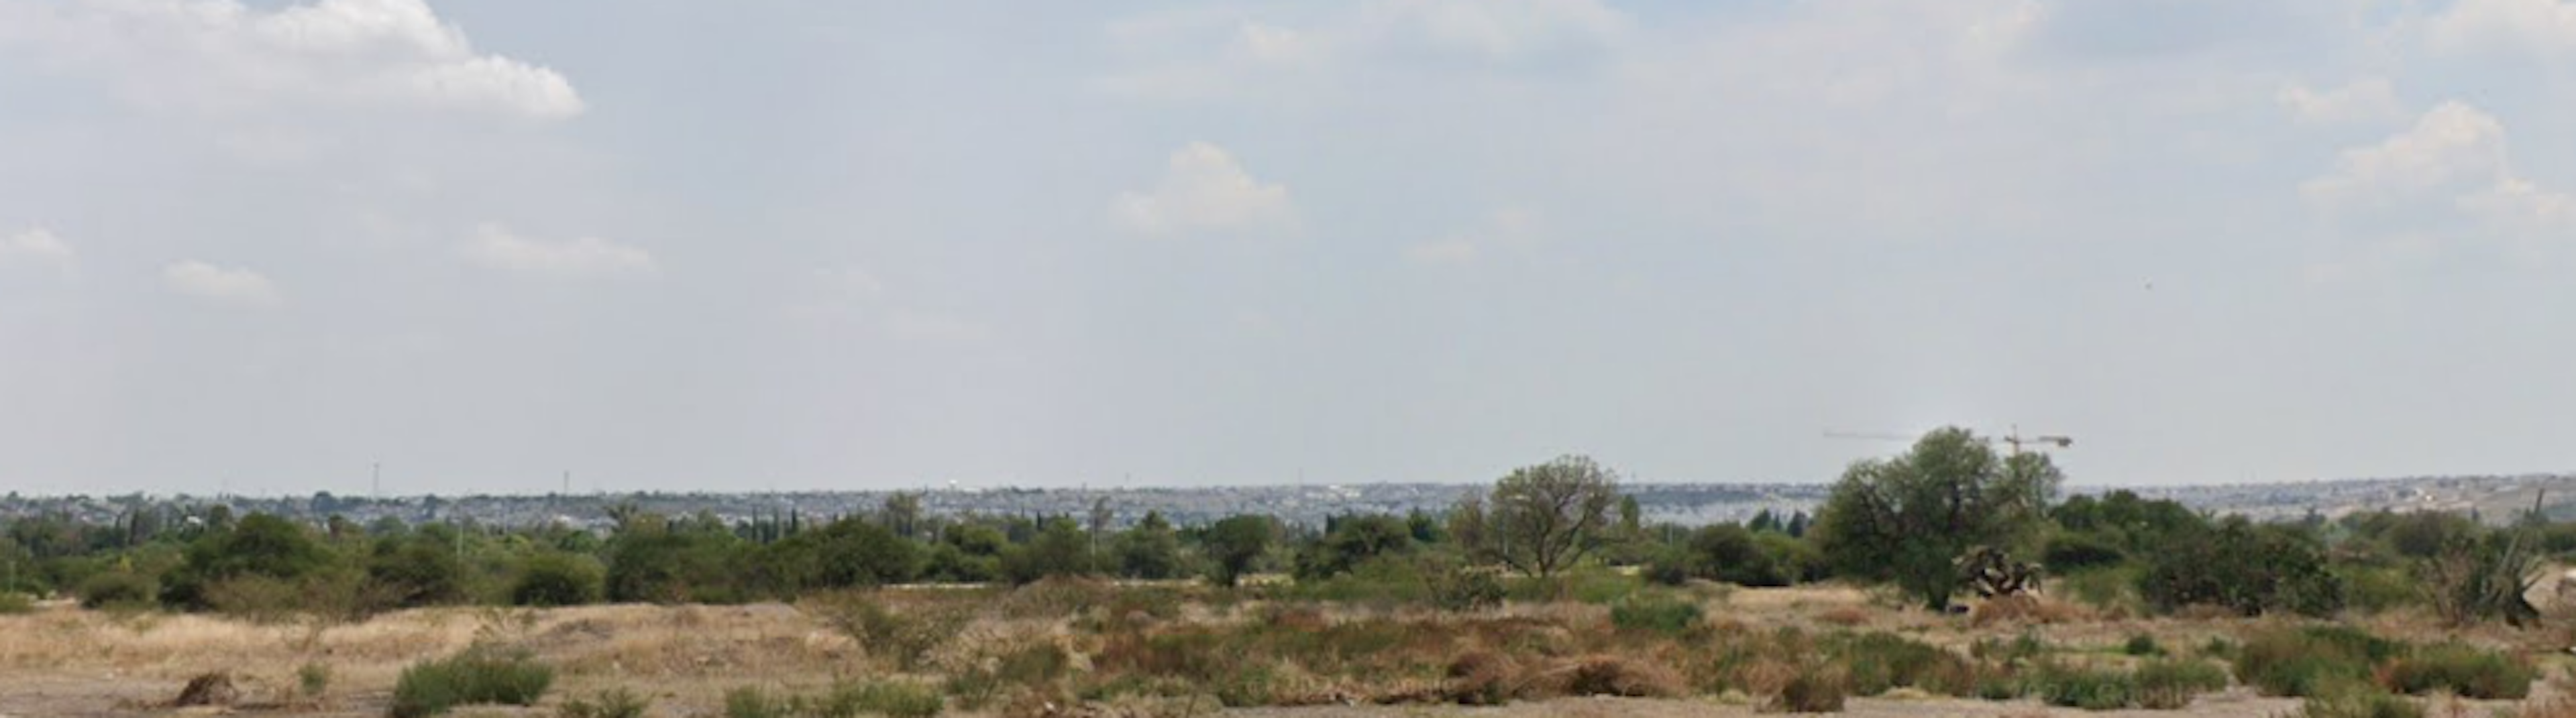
pixel 211 689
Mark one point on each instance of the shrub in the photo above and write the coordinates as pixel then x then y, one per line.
pixel 312 679
pixel 2304 661
pixel 1813 689
pixel 2462 669
pixel 113 589
pixel 13 603
pixel 1655 614
pixel 752 702
pixel 2069 553
pixel 612 703
pixel 557 579
pixel 2091 689
pixel 480 674
pixel 2171 684
pixel 2104 588
pixel 1466 589
pixel 1602 675
pixel 2373 590
pixel 2356 700
pixel 902 638
pixel 2142 645
pixel 1879 661
pixel 895 698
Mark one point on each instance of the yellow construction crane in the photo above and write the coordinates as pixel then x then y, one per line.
pixel 2015 439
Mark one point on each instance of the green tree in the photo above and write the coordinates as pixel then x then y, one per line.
pixel 411 572
pixel 1234 543
pixel 1907 519
pixel 1149 550
pixel 842 554
pixel 674 562
pixel 1061 548
pixel 1351 541
pixel 2251 569
pixel 258 546
pixel 1541 519
pixel 554 578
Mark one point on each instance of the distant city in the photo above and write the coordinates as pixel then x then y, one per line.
pixel 2494 499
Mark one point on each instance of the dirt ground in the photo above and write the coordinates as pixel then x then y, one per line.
pixel 63 661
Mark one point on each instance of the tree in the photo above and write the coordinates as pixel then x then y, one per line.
pixel 2252 569
pixel 1149 550
pixel 1234 543
pixel 413 572
pixel 553 578
pixel 843 554
pixel 1907 519
pixel 1061 548
pixel 258 546
pixel 902 513
pixel 1352 541
pixel 1544 518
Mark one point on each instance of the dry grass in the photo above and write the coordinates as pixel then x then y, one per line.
pixel 1084 647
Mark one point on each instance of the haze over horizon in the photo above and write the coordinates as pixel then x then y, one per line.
pixel 679 246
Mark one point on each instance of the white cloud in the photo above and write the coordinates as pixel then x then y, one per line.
pixel 1203 189
pixel 2451 175
pixel 496 246
pixel 37 244
pixel 2362 100
pixel 2518 207
pixel 227 285
pixel 2545 28
pixel 2451 145
pixel 1503 30
pixel 223 55
pixel 1513 229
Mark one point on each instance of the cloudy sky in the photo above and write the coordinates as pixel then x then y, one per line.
pixel 756 244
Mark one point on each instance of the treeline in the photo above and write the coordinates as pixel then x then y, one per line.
pixel 1919 522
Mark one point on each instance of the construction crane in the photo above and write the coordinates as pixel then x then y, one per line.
pixel 2015 440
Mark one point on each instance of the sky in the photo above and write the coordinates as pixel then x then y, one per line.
pixel 264 246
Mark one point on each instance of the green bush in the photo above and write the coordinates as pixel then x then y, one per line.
pixel 894 698
pixel 13 603
pixel 2171 684
pixel 752 702
pixel 612 703
pixel 2373 590
pixel 312 679
pixel 1383 581
pixel 2092 689
pixel 1879 661
pixel 2357 700
pixel 557 579
pixel 2462 669
pixel 1466 589
pixel 2105 587
pixel 2142 645
pixel 480 674
pixel 113 589
pixel 1655 613
pixel 2303 661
